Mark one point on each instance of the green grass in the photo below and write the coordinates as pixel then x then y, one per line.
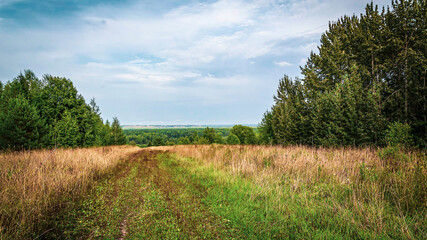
pixel 141 201
pixel 165 196
pixel 278 210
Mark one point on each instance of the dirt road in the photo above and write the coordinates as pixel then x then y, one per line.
pixel 142 198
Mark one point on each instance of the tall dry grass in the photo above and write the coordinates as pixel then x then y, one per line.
pixel 375 189
pixel 34 184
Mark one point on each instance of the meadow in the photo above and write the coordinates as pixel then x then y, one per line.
pixel 34 185
pixel 215 192
pixel 310 193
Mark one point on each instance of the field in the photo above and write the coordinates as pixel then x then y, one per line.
pixel 217 191
pixel 36 184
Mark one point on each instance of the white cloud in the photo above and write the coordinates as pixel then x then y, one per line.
pixel 212 53
pixel 283 64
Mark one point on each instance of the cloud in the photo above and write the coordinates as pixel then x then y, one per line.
pixel 9 2
pixel 216 53
pixel 283 64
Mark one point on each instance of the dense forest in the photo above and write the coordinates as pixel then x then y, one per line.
pixel 365 86
pixel 238 134
pixel 49 112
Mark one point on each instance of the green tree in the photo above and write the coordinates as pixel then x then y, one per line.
pixel 209 134
pixel 67 131
pixel 218 138
pixel 184 141
pixel 202 141
pixel 232 139
pixel 245 134
pixel 1 89
pixel 290 120
pixel 117 136
pixel 369 70
pixel 266 131
pixel 20 125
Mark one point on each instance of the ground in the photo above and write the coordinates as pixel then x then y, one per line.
pixel 145 197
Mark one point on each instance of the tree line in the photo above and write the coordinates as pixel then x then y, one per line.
pixel 365 86
pixel 49 112
pixel 238 134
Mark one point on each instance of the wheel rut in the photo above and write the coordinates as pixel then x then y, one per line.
pixel 142 198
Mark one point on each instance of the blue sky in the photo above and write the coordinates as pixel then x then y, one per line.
pixel 168 62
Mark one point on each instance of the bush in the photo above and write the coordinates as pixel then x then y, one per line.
pixel 202 141
pixel 398 134
pixel 232 139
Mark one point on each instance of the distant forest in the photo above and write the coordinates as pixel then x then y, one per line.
pixel 49 112
pixel 365 86
pixel 238 134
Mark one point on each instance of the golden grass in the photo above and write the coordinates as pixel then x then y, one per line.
pixel 259 162
pixel 352 179
pixel 36 183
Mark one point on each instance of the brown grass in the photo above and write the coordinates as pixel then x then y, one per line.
pixel 34 184
pixel 375 186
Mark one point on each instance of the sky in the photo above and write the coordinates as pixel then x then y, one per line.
pixel 168 62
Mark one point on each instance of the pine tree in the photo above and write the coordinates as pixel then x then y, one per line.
pixel 20 125
pixel 370 71
pixel 290 112
pixel 67 131
pixel 117 136
pixel 266 131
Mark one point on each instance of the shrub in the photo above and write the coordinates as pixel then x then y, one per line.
pixel 232 139
pixel 398 134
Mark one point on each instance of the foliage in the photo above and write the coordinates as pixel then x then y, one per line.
pixel 177 136
pixel 187 136
pixel 209 134
pixel 20 125
pixel 117 136
pixel 49 112
pixel 398 134
pixel 245 134
pixel 370 71
pixel 266 131
pixel 202 141
pixel 66 129
pixel 232 139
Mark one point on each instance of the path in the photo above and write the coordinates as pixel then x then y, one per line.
pixel 143 199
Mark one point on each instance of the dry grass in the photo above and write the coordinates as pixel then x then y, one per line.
pixel 375 190
pixel 34 184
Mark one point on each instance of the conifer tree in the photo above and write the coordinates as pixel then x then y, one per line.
pixel 369 72
pixel 67 131
pixel 117 136
pixel 20 125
